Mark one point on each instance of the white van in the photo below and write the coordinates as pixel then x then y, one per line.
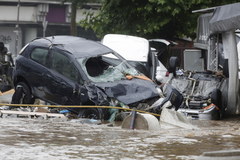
pixel 138 52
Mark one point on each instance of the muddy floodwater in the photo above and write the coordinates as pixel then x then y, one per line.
pixel 34 139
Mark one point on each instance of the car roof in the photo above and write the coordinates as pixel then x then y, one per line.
pixel 79 47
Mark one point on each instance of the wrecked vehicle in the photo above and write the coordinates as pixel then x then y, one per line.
pixel 203 94
pixel 69 70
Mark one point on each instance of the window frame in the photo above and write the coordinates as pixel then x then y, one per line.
pixel 78 78
pixel 35 60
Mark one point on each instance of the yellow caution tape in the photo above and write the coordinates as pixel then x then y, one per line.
pixel 75 106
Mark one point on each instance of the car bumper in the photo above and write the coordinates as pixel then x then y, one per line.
pixel 211 113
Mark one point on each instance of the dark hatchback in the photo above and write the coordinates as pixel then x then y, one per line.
pixel 69 70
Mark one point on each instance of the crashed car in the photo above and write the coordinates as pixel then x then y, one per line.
pixel 202 92
pixel 67 70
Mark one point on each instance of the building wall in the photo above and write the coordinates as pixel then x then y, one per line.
pixel 32 14
pixel 26 13
pixel 8 37
pixel 29 34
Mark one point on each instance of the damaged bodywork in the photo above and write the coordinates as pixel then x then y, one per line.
pixel 203 94
pixel 70 70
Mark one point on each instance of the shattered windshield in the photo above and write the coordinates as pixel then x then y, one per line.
pixel 106 68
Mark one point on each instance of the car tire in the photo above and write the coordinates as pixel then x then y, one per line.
pixel 22 94
pixel 91 113
pixel 173 64
pixel 216 97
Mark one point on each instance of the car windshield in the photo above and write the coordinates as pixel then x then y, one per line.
pixel 106 68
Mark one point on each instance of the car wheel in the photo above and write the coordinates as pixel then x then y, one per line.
pixel 216 97
pixel 173 64
pixel 91 113
pixel 22 94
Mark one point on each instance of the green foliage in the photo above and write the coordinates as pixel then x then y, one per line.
pixel 149 18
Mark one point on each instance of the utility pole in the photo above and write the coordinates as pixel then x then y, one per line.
pixel 17 29
pixel 44 23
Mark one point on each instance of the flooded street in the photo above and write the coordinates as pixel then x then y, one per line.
pixel 27 139
pixel 63 61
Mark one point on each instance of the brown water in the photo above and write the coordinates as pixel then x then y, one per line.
pixel 27 139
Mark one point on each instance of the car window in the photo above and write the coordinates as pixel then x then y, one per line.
pixel 106 68
pixel 62 65
pixel 40 55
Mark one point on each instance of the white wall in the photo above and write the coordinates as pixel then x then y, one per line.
pixel 8 37
pixel 30 34
pixel 9 13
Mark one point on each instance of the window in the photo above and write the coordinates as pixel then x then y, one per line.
pixel 106 68
pixel 40 55
pixel 62 65
pixel 56 14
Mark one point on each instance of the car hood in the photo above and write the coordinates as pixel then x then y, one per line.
pixel 125 91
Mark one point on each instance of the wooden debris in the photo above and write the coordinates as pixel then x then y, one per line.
pixel 23 114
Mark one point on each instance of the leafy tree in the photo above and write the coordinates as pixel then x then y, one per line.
pixel 149 18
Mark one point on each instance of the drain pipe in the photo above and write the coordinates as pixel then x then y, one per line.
pixel 230 49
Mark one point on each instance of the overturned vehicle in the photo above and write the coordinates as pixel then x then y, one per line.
pixel 203 92
pixel 68 70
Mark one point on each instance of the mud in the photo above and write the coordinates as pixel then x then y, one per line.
pixel 27 139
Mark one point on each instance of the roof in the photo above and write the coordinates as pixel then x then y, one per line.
pixel 79 47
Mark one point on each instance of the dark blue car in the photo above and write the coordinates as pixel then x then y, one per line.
pixel 69 70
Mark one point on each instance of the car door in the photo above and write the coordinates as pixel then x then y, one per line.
pixel 152 63
pixel 36 68
pixel 63 79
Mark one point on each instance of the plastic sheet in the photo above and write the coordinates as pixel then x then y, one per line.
pixel 225 18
